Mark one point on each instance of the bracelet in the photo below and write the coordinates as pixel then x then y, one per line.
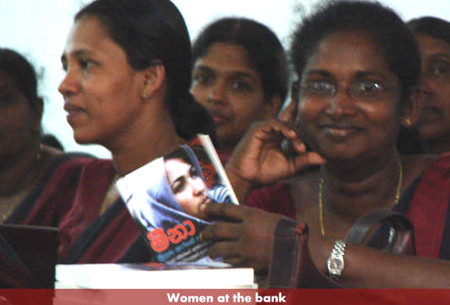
pixel 335 263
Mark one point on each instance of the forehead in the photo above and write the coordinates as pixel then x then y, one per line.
pixel 176 167
pixel 430 46
pixel 89 33
pixel 347 52
pixel 226 57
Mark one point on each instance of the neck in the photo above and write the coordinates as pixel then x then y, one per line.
pixel 355 191
pixel 149 140
pixel 17 171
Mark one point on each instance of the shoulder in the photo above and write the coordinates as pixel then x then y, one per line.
pixel 417 165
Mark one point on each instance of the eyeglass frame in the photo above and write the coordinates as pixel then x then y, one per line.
pixel 350 90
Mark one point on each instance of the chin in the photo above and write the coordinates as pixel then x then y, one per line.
pixel 82 138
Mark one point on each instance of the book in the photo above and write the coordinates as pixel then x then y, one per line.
pixel 165 195
pixel 153 276
pixel 28 256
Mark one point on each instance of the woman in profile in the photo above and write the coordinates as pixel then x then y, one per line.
pixel 128 73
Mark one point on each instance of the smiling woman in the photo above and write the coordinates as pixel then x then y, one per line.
pixel 358 65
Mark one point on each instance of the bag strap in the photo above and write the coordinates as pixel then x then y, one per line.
pixel 291 265
pixel 401 231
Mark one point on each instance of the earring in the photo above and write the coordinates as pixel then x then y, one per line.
pixel 144 93
pixel 407 122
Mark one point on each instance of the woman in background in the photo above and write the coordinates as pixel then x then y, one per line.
pixel 128 73
pixel 433 36
pixel 240 75
pixel 37 182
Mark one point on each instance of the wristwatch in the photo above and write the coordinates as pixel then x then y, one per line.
pixel 335 263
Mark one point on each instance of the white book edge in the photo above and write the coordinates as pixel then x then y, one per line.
pixel 122 276
pixel 212 154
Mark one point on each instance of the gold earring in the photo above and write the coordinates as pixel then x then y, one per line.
pixel 407 122
pixel 144 93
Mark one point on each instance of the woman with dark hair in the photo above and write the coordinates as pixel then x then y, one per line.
pixel 36 181
pixel 240 75
pixel 433 37
pixel 128 65
pixel 357 65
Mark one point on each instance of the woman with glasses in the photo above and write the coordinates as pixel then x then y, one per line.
pixel 357 65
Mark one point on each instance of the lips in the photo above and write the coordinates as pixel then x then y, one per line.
pixel 206 200
pixel 73 112
pixel 340 130
pixel 218 117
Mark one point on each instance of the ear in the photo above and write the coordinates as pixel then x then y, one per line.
pixel 37 113
pixel 412 109
pixel 153 81
pixel 39 108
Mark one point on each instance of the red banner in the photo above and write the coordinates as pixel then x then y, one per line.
pixel 224 296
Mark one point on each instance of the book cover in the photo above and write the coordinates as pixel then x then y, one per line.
pixel 165 196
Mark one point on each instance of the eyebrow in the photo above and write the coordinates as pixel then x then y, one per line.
pixel 204 68
pixel 357 74
pixel 439 55
pixel 77 53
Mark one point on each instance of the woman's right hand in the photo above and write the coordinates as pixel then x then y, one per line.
pixel 258 158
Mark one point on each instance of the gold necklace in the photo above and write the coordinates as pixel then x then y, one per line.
pixel 397 196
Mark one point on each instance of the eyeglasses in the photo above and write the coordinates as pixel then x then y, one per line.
pixel 363 89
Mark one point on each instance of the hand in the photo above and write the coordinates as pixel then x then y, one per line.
pixel 244 236
pixel 289 113
pixel 258 158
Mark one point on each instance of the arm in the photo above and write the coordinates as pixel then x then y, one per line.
pixel 369 268
pixel 247 239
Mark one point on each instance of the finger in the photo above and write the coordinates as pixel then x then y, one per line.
pixel 309 159
pixel 236 261
pixel 224 249
pixel 288 113
pixel 221 230
pixel 223 210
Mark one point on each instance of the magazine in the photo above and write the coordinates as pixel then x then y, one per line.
pixel 165 196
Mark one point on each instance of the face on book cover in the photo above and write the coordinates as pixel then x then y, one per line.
pixel 187 185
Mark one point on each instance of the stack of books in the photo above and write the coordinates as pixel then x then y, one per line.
pixel 154 276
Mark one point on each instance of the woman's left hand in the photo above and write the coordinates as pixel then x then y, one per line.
pixel 243 235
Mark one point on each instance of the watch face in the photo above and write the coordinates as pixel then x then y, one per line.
pixel 335 265
pixel 335 262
